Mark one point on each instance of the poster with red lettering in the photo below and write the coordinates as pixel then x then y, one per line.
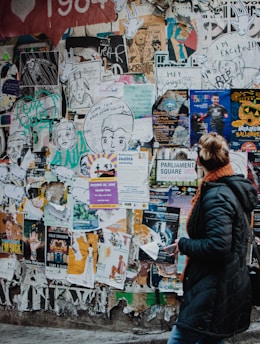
pixel 18 18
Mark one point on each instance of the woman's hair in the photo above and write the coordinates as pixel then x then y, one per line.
pixel 213 151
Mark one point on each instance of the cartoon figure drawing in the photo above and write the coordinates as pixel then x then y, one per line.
pixel 39 69
pixel 133 23
pixel 244 21
pixel 67 66
pixel 79 92
pixel 114 121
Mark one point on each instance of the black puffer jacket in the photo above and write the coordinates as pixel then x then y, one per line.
pixel 217 290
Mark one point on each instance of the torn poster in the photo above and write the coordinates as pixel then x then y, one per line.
pixel 163 222
pixel 83 259
pixel 113 258
pixel 7 268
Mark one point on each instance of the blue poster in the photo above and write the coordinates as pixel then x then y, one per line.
pixel 210 111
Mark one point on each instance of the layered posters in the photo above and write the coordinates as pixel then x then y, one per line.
pixel 245 112
pixel 162 223
pixel 171 121
pixel 209 111
pixel 119 180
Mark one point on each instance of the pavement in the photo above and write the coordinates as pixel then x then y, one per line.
pixel 14 334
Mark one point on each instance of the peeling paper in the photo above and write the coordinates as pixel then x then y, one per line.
pixel 7 268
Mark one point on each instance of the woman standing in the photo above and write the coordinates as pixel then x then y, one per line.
pixel 217 293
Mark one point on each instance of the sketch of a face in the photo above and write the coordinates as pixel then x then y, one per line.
pixel 116 133
pixel 84 165
pixel 14 148
pixel 30 63
pixel 65 135
pixel 78 89
pixel 108 126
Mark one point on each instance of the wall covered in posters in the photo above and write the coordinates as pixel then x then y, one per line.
pixel 98 125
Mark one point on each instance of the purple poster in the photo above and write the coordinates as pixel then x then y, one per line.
pixel 103 186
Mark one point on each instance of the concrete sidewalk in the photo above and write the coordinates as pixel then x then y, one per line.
pixel 14 334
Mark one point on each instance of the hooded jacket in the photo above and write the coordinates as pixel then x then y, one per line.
pixel 216 285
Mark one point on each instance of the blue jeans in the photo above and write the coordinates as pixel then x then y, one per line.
pixel 182 336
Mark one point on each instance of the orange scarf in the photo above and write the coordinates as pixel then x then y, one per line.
pixel 211 176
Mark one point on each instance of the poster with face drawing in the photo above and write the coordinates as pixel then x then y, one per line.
pixel 80 86
pixel 108 126
pixel 144 36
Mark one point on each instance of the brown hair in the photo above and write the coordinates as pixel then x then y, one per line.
pixel 213 151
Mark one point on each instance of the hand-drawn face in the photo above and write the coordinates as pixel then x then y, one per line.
pixel 109 125
pixel 66 135
pixel 30 63
pixel 79 89
pixel 64 138
pixel 116 132
pixel 113 141
pixel 84 165
pixel 14 148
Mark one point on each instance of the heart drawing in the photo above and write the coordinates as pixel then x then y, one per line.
pixel 21 8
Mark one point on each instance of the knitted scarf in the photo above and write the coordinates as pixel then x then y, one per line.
pixel 211 176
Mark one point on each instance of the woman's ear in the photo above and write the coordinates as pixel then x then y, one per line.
pixel 198 161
